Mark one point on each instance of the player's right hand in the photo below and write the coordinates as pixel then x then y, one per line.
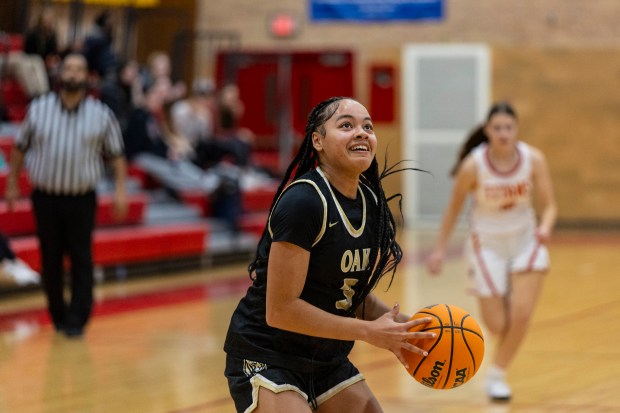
pixel 387 333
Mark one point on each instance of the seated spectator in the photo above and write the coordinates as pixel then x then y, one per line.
pixel 40 53
pixel 151 145
pixel 194 118
pixel 123 92
pixel 159 66
pixel 98 46
pixel 41 41
pixel 145 132
pixel 238 139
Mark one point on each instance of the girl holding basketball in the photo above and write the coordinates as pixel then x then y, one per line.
pixel 506 247
pixel 329 238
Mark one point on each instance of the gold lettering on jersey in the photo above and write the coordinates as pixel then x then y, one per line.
pixel 349 292
pixel 366 262
pixel 353 261
pixel 347 261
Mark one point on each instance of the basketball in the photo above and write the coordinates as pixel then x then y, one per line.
pixel 454 355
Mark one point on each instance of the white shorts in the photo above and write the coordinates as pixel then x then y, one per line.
pixel 493 258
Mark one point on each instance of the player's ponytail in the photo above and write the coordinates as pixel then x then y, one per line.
pixel 478 136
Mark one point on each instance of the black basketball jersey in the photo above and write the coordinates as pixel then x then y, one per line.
pixel 339 233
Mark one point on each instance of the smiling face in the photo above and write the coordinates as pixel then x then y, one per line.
pixel 349 143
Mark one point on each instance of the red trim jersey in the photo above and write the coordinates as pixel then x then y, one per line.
pixel 502 200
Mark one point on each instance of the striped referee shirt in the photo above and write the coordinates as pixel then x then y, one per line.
pixel 65 148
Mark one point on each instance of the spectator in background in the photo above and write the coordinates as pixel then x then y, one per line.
pixel 147 129
pixel 65 164
pixel 152 146
pixel 98 46
pixel 41 41
pixel 194 119
pixel 32 66
pixel 160 67
pixel 123 92
pixel 235 142
pixel 238 139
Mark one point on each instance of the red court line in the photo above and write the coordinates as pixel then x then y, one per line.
pixel 214 289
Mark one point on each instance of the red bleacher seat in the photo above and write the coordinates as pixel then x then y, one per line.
pixel 21 221
pixel 253 200
pixel 15 99
pixel 13 95
pixel 149 243
pixel 23 183
pixel 146 181
pixel 27 248
pixel 198 200
pixel 136 205
pixel 6 145
pixel 253 223
pixel 14 41
pixel 258 199
pixel 114 246
pixel 268 159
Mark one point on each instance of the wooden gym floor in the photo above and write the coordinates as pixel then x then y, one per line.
pixel 155 344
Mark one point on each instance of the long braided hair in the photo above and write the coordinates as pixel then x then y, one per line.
pixel 386 252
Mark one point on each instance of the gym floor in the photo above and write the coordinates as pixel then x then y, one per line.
pixel 155 343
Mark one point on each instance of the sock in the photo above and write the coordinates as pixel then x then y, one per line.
pixel 495 371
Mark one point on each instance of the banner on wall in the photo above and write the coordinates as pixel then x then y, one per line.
pixel 117 3
pixel 376 10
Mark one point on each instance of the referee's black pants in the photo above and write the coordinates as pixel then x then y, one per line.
pixel 65 225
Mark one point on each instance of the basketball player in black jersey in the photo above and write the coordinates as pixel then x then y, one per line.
pixel 329 238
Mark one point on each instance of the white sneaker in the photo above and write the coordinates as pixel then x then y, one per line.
pixel 20 272
pixel 497 388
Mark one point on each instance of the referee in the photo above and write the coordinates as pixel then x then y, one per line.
pixel 66 136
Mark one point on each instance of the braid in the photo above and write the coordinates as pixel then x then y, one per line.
pixel 304 160
pixel 387 252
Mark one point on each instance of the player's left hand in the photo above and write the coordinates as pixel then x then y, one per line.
pixel 543 235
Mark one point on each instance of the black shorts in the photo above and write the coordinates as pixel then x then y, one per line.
pixel 245 377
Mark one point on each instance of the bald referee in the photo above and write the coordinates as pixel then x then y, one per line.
pixel 64 140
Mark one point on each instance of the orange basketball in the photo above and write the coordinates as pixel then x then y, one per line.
pixel 454 355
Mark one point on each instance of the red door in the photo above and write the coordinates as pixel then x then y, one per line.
pixel 279 90
pixel 317 76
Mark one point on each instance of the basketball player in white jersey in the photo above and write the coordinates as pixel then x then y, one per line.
pixel 506 246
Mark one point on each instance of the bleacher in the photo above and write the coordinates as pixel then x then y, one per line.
pixel 159 230
pixel 12 95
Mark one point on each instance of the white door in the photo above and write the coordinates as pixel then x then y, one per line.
pixel 445 95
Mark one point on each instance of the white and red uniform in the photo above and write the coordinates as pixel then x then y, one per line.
pixel 502 237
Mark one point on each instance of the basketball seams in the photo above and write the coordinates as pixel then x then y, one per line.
pixel 451 347
pixel 471 353
pixel 447 359
pixel 464 329
pixel 434 344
